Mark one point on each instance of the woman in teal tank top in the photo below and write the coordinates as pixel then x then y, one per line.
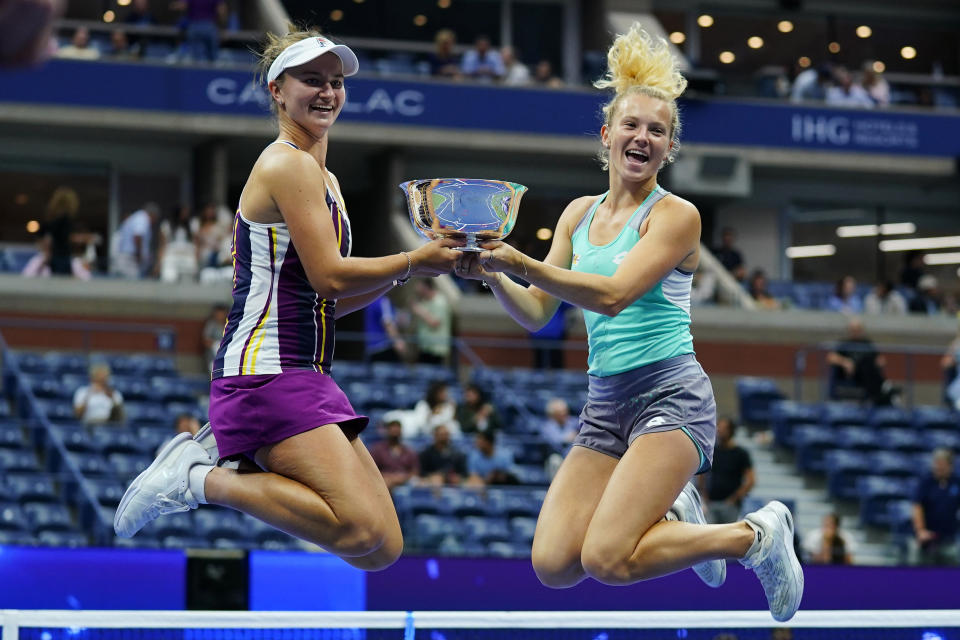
pixel 622 508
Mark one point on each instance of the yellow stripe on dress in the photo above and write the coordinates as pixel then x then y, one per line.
pixel 262 326
pixel 323 335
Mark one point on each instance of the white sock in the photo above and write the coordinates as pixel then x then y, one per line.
pixel 196 478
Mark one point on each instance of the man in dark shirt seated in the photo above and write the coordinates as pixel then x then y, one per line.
pixel 441 463
pixel 935 506
pixel 730 479
pixel 398 463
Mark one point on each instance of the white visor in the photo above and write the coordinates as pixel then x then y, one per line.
pixel 309 49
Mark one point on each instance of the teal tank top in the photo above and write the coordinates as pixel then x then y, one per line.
pixel 656 326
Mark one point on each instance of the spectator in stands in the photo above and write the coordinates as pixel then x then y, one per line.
pixel 758 291
pixel 543 76
pixel 548 354
pixel 186 423
pixel 202 19
pixel 559 428
pixel 951 375
pixel 79 47
pixel 810 84
pixel 213 329
pixel 829 544
pixel 435 409
pixel 120 48
pixel 729 256
pixel 443 61
pixel 138 14
pixel 398 463
pixel 927 298
pixel 210 236
pixel 845 298
pixel 441 463
pixel 883 299
pixel 876 85
pixel 434 320
pixel 731 478
pixel 912 270
pixel 98 402
pixel 134 255
pixel 475 414
pixel 26 28
pixel 489 464
pixel 482 62
pixel 177 253
pixel 515 73
pixel 857 368
pixel 384 343
pixel 846 92
pixel 935 508
pixel 58 234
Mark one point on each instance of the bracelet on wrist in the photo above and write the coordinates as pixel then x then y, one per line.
pixel 399 282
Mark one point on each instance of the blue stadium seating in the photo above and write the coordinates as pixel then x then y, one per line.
pixel 34 487
pixel 485 530
pixel 127 465
pixel 875 494
pixel 755 397
pixel 119 440
pixel 17 539
pixel 24 460
pixel 883 417
pixel 843 469
pixel 12 517
pixel 894 464
pixel 11 436
pixel 839 414
pixel 522 529
pixel 44 516
pixel 93 465
pixel 812 441
pixel 429 530
pixel 70 539
pixel 108 491
pixel 904 440
pixel 858 438
pixel 786 414
pixel 935 418
pixel 938 438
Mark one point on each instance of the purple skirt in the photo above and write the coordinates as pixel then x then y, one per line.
pixel 250 412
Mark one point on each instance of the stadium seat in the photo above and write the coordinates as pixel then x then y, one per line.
pixel 68 364
pixel 32 363
pixel 859 438
pixel 843 469
pixel 904 440
pixel 17 539
pixel 44 516
pixel 127 465
pixel 485 530
pixel 513 503
pixel 106 490
pixel 755 396
pixel 429 530
pixel 893 464
pixel 811 442
pixel 462 502
pixel 70 539
pixel 109 439
pixel 75 438
pixel 23 460
pixel 522 529
pixel 883 417
pixel 503 549
pixel 173 525
pixel 12 517
pixel 11 436
pixel 875 494
pixel 92 465
pixel 786 414
pixel 35 487
pixel 941 439
pixel 220 524
pixel 840 414
pixel 925 417
pixel 533 475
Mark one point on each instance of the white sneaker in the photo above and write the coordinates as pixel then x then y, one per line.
pixel 163 487
pixel 774 561
pixel 688 508
pixel 207 440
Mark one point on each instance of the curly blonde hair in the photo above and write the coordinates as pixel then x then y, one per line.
pixel 639 64
pixel 274 45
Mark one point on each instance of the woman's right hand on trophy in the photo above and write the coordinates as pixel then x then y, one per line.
pixel 435 257
pixel 468 268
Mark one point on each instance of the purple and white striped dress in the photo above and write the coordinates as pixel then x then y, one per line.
pixel 278 322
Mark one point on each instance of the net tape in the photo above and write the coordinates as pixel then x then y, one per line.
pixel 12 620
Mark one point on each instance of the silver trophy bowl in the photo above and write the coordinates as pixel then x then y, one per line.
pixel 463 208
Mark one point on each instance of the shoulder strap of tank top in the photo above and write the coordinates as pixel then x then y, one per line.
pixel 586 216
pixel 644 210
pixel 286 142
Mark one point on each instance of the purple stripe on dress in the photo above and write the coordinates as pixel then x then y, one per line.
pixel 296 335
pixel 271 242
pixel 241 288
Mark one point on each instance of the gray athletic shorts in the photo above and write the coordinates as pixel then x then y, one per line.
pixel 663 396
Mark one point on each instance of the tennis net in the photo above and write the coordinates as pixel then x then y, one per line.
pixel 478 625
